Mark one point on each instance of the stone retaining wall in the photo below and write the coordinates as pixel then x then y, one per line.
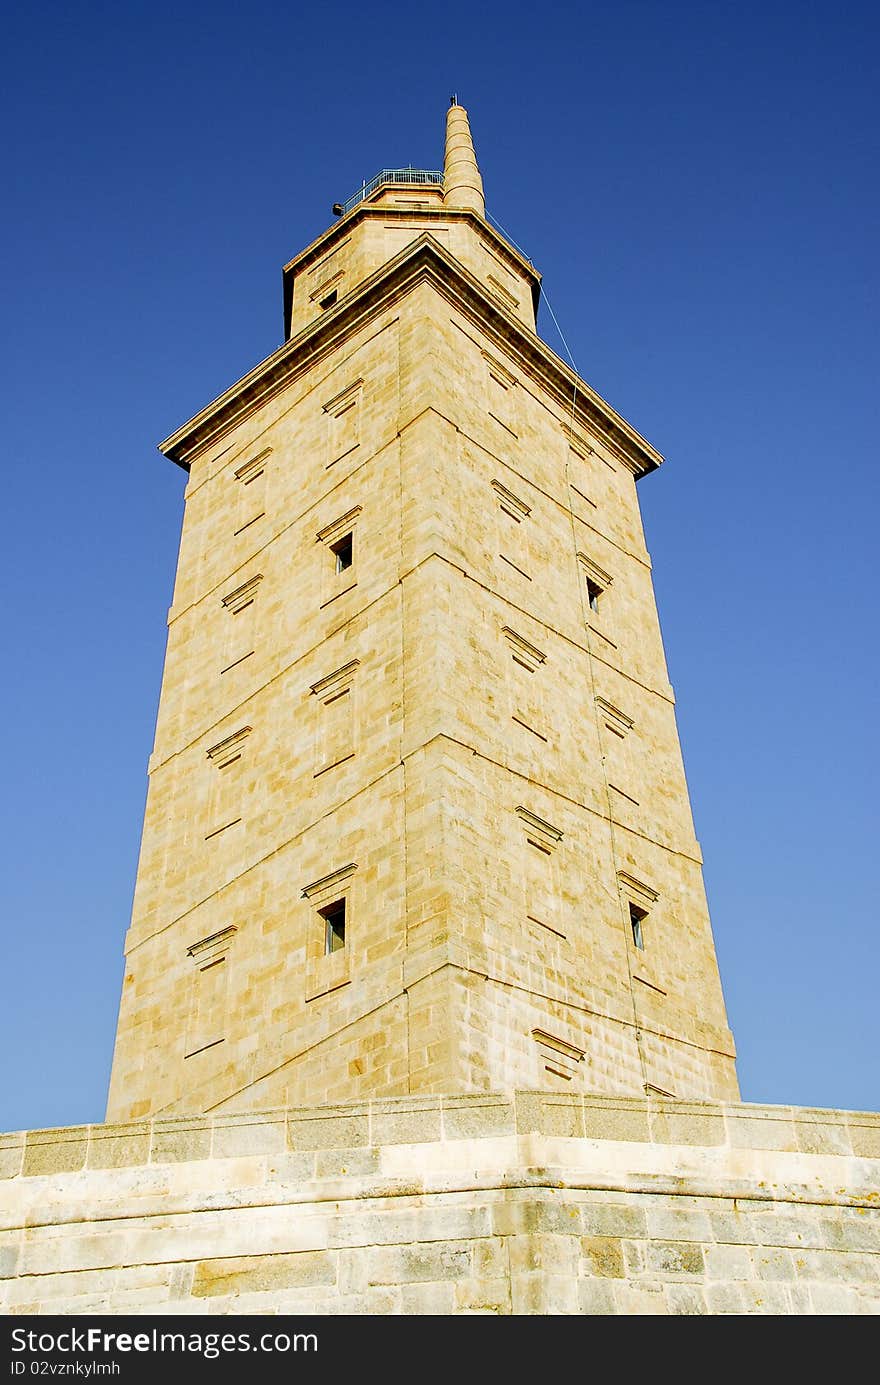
pixel 533 1203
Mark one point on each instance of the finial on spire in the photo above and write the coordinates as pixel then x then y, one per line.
pixel 462 184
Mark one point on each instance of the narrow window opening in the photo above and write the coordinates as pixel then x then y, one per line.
pixel 594 591
pixel 334 926
pixel 330 299
pixel 636 917
pixel 343 552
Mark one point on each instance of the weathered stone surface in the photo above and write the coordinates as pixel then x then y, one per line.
pixel 603 1256
pixel 55 1151
pixel 262 1274
pixel 11 1154
pixel 498 1223
pixel 414 673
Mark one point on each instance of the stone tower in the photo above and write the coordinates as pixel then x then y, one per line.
pixel 417 819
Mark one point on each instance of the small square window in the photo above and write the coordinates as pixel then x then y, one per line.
pixel 343 552
pixel 334 926
pixel 329 300
pixel 594 591
pixel 636 918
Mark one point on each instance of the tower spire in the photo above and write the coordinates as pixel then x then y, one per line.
pixel 462 184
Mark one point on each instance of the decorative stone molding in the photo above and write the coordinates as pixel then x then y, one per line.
pixel 540 833
pixel 242 596
pixel 615 720
pixel 327 286
pixel 255 466
pixel 330 884
pixel 577 443
pixel 214 946
pixel 329 687
pixel 225 751
pixel 510 503
pixel 523 651
pixel 343 418
pixel 637 890
pixel 335 530
pixel 499 373
pixel 560 1057
pixel 328 970
pixel 592 569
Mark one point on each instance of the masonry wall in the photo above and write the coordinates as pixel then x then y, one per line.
pixel 433 726
pixel 531 1204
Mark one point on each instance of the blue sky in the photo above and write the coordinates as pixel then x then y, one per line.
pixel 698 185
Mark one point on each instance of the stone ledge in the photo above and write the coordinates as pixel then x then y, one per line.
pixel 482 1203
pixel 429 1119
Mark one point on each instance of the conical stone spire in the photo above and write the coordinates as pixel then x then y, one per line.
pixel 462 184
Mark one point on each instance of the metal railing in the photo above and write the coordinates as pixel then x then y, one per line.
pixel 394 175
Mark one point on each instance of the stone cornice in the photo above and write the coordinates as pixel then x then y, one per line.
pixel 387 211
pixel 424 260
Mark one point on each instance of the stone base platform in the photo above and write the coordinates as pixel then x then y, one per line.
pixel 533 1203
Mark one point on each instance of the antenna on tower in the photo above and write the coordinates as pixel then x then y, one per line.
pixel 453 100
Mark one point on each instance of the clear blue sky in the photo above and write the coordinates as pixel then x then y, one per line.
pixel 698 184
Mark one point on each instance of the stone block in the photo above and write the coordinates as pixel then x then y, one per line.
pixel 557 1212
pixel 549 1114
pixel 436 1299
pixel 639 1299
pixel 11 1154
pixel 668 1258
pixel 634 1258
pixel 602 1256
pixel 552 1254
pixel 685 1300
pixel 831 1267
pixel 329 1127
pixel 516 1216
pixel 390 1224
pixel 728 1262
pixel 55 1151
pixel 244 1135
pixel 736 1227
pixel 263 1273
pixel 596 1298
pixel 180 1283
pixel 118 1146
pixel 678 1223
pixel 416 1120
pixel 474 1117
pixel 864 1134
pixel 347 1163
pixel 76 1250
pixel 773 1264
pixel 293 1169
pixel 9 1254
pixel 769 1127
pixel 852 1229
pixel 560 1294
pixel 826 1133
pixel 725 1298
pixel 178 1140
pixel 616 1120
pixel 766 1298
pixel 528 1294
pixel 621 1219
pixel 490 1258
pixel 426 1263
pixel 482 1295
pixel 691 1125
